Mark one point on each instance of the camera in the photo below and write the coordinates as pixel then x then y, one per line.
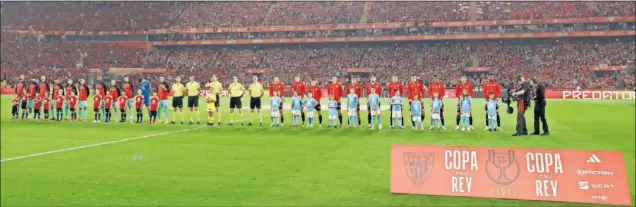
pixel 507 97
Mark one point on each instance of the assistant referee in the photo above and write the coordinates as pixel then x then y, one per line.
pixel 193 89
pixel 256 92
pixel 216 87
pixel 236 91
pixel 177 99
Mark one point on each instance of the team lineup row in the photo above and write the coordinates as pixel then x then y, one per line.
pixel 73 99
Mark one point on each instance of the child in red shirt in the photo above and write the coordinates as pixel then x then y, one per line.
pixel 59 104
pixel 97 100
pixel 108 103
pixel 139 103
pixel 46 101
pixel 72 104
pixel 15 104
pixel 123 100
pixel 37 104
pixel 154 104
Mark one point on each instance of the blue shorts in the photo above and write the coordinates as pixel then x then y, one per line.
pixel 66 104
pixel 82 104
pixel 30 103
pixel 146 99
pixel 101 104
pixel 53 103
pixel 163 104
pixel 115 105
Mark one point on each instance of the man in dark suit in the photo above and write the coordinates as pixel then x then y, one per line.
pixel 523 102
pixel 539 108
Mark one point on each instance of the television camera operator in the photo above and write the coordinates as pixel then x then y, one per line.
pixel 539 108
pixel 522 96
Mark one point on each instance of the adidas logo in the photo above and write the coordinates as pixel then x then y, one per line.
pixel 593 159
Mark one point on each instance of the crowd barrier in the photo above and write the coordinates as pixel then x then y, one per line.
pixel 580 176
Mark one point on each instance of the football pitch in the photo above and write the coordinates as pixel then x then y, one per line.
pixel 46 163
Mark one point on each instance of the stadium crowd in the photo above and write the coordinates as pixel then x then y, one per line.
pixel 560 64
pixel 103 16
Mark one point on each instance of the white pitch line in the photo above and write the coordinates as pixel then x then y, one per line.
pixel 95 145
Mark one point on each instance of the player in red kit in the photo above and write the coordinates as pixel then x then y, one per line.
pixel 82 106
pixel 114 92
pixel 37 106
pixel 69 90
pixel 299 87
pixel 154 105
pixel 415 88
pixel 315 90
pixel 335 89
pixel 123 102
pixel 19 89
pixel 357 88
pixel 97 106
pixel 438 86
pixel 277 86
pixel 491 86
pixel 59 104
pixel 55 91
pixel 162 92
pixel 32 89
pixel 46 101
pixel 108 104
pixel 373 84
pixel 139 104
pixel 15 105
pixel 127 88
pixel 393 86
pixel 100 88
pixel 72 105
pixel 461 86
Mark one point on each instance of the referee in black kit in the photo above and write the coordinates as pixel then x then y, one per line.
pixel 523 102
pixel 539 108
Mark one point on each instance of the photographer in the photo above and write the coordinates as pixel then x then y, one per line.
pixel 539 108
pixel 523 102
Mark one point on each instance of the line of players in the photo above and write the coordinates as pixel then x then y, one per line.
pixel 67 98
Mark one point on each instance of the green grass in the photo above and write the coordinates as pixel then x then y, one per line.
pixel 262 166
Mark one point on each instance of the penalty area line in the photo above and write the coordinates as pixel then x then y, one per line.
pixel 95 145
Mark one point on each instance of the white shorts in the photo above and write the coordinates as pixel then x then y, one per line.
pixel 465 114
pixel 397 114
pixel 275 114
pixel 492 117
pixel 417 118
pixel 332 117
pixel 295 112
pixel 310 114
pixel 375 112
pixel 435 117
pixel 352 112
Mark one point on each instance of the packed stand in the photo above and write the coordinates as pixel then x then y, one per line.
pixel 85 16
pixel 502 10
pixel 303 13
pixel 380 12
pixel 222 14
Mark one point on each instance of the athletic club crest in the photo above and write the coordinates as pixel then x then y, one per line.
pixel 419 166
pixel 502 167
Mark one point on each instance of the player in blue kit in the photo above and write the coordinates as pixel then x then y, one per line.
pixel 333 112
pixel 297 106
pixel 144 85
pixel 396 108
pixel 275 102
pixel 352 100
pixel 416 112
pixel 436 106
pixel 465 104
pixel 491 110
pixel 374 109
pixel 310 107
